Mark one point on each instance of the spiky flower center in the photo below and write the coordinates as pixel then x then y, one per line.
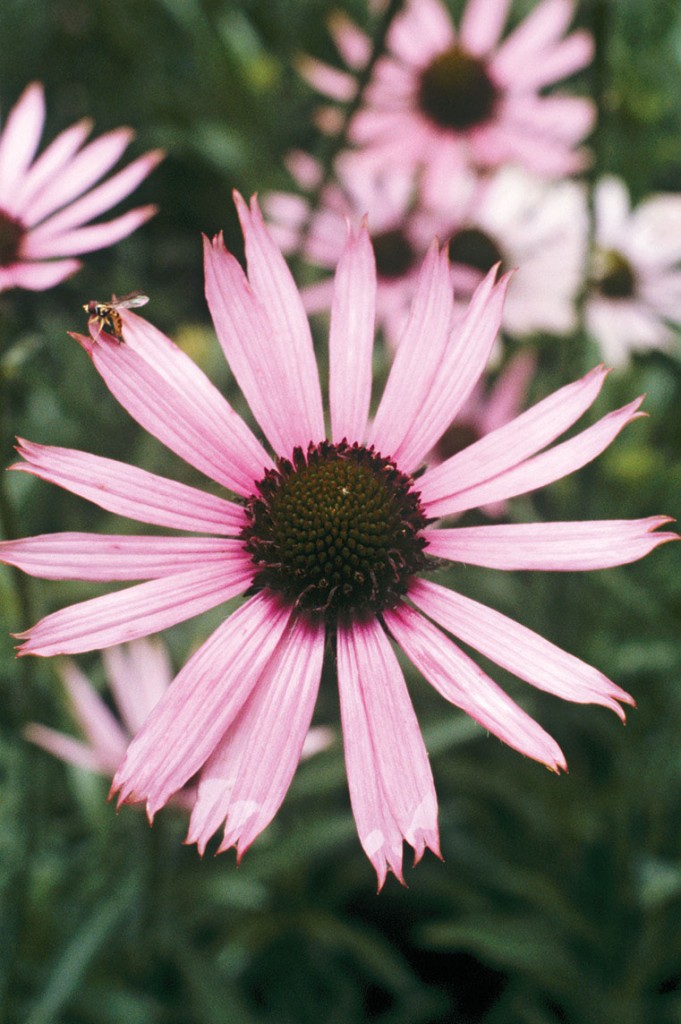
pixel 456 90
pixel 475 248
pixel 336 530
pixel 394 253
pixel 615 277
pixel 11 233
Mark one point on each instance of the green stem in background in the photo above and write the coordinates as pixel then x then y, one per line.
pixel 19 702
pixel 332 145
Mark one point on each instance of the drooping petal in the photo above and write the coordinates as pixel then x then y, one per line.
pixel 517 648
pixel 103 732
pixel 19 139
pixel 137 611
pixel 378 831
pixel 274 286
pixel 129 491
pixel 550 546
pixel 463 683
pixel 368 666
pixel 202 702
pixel 65 747
pixel 168 395
pixel 542 469
pixel 139 674
pixel 512 443
pixel 351 338
pixel 246 778
pixel 464 361
pixel 88 556
pixel 262 366
pixel 418 359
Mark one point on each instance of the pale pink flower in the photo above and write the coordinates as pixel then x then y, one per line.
pixel 441 97
pixel 46 204
pixel 139 675
pixel 330 542
pixel 635 296
pixel 539 228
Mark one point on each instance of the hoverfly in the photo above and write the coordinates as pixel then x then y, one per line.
pixel 106 315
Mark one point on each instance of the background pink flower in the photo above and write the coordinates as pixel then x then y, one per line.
pixel 466 95
pixel 46 203
pixel 329 545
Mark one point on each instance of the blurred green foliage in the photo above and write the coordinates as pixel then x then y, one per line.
pixel 559 900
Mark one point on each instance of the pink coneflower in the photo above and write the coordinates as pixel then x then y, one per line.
pixel 330 540
pixel 441 97
pixel 139 675
pixel 635 292
pixel 43 222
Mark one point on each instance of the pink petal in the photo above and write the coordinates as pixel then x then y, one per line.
pixel 539 30
pixel 261 366
pixel 367 662
pixel 137 611
pixel 103 731
pixel 507 397
pixel 329 81
pixel 467 354
pixel 246 778
pixel 185 727
pixel 65 747
pixel 37 277
pixel 482 24
pixel 85 556
pixel 351 338
pixel 421 31
pixel 82 171
pixel 49 165
pixel 87 239
pixel 464 684
pixel 353 45
pixel 556 119
pixel 550 546
pixel 102 198
pixel 543 469
pixel 19 140
pixel 512 443
pixel 378 831
pixel 129 491
pixel 172 398
pixel 274 286
pixel 517 649
pixel 563 59
pixel 418 359
pixel 139 674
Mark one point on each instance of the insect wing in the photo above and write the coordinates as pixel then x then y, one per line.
pixel 130 301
